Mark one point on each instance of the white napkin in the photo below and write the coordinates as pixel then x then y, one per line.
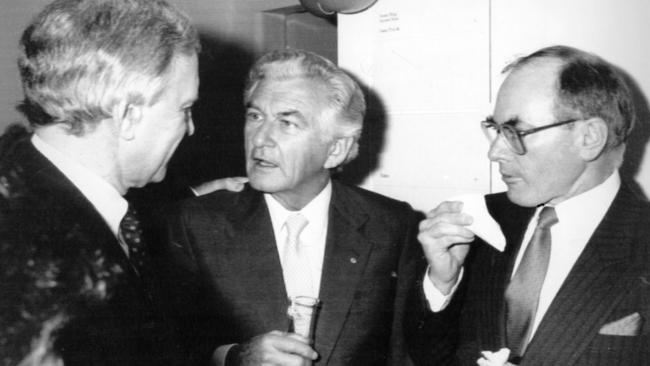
pixel 483 225
pixel 499 358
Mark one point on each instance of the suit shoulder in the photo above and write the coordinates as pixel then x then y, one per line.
pixel 222 201
pixel 373 202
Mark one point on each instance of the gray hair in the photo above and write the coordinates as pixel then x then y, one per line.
pixel 345 95
pixel 591 87
pixel 80 58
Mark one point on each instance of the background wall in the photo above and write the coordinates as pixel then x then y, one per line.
pixel 435 68
pixel 431 68
pixel 14 16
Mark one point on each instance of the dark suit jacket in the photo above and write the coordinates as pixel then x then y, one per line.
pixel 45 214
pixel 610 280
pixel 225 241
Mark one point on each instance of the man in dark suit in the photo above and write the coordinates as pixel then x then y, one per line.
pixel 108 90
pixel 355 250
pixel 571 287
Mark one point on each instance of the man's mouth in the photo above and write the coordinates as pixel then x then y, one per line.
pixel 509 178
pixel 263 163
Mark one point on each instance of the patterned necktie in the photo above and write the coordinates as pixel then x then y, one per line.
pixel 297 276
pixel 130 233
pixel 522 294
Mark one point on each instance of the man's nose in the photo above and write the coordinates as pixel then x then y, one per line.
pixel 262 134
pixel 499 149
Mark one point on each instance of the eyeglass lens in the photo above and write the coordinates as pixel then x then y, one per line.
pixel 509 133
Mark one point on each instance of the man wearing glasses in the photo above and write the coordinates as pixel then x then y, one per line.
pixel 573 284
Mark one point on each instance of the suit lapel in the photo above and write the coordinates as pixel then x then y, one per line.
pixel 346 254
pixel 255 251
pixel 82 214
pixel 513 220
pixel 592 289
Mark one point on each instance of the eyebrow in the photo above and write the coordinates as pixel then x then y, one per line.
pixel 511 122
pixel 289 113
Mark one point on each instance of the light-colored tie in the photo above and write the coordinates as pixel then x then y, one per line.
pixel 522 294
pixel 297 275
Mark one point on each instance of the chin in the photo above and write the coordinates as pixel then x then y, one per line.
pixel 159 175
pixel 264 184
pixel 522 199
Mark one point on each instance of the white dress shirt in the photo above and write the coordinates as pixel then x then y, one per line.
pixel 578 218
pixel 104 197
pixel 312 237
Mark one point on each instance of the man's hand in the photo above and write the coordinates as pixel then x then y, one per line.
pixel 440 233
pixel 233 184
pixel 275 349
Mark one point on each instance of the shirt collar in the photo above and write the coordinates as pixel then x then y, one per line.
pixel 103 196
pixel 315 211
pixel 588 208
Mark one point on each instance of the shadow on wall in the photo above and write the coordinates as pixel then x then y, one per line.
pixel 217 147
pixel 371 143
pixel 638 140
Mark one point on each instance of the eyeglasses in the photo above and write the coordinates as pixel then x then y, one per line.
pixel 511 135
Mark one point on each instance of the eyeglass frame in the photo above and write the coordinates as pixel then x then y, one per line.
pixel 490 123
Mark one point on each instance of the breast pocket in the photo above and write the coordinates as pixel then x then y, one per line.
pixel 618 350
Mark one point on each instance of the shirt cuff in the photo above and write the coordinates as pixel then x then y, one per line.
pixel 219 355
pixel 436 299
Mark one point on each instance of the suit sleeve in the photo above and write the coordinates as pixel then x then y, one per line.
pixel 433 338
pixel 407 271
pixel 183 289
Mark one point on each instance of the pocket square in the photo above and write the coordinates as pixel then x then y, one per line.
pixel 628 326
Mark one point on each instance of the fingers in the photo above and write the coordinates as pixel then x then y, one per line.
pixel 276 348
pixel 233 184
pixel 298 337
pixel 445 225
pixel 444 228
pixel 451 211
pixel 296 344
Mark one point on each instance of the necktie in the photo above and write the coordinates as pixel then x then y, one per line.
pixel 522 294
pixel 297 276
pixel 130 233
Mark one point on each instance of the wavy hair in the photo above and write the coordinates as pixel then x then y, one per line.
pixel 345 96
pixel 80 58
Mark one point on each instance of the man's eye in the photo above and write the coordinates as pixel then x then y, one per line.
pixel 253 116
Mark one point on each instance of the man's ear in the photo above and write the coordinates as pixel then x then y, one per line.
pixel 127 116
pixel 592 137
pixel 338 151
